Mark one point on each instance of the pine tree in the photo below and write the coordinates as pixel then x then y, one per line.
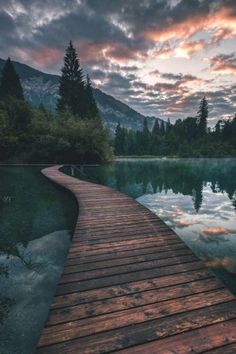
pixel 71 86
pixel 218 128
pixel 156 128
pixel 155 138
pixel 168 126
pixel 145 126
pixel 162 129
pixel 91 109
pixel 202 116
pixel 10 85
pixel 119 140
pixel 145 137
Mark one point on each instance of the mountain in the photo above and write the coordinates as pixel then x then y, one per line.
pixel 113 111
pixel 40 87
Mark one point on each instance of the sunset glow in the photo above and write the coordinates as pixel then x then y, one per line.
pixel 160 57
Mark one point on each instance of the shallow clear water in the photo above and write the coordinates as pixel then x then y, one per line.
pixel 36 223
pixel 195 197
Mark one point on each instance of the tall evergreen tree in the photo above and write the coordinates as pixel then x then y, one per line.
pixel 218 128
pixel 92 110
pixel 156 128
pixel 71 86
pixel 10 85
pixel 145 126
pixel 202 116
pixel 119 140
pixel 168 126
pixel 155 138
pixel 162 129
pixel 145 137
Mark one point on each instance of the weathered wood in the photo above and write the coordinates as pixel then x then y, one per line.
pixel 196 341
pixel 225 348
pixel 131 285
pixel 132 300
pixel 81 267
pixel 129 288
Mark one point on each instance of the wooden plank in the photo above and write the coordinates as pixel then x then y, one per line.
pixel 83 259
pixel 224 348
pixel 131 300
pixel 84 327
pixel 130 284
pixel 196 341
pixel 122 269
pixel 128 288
pixel 127 277
pixel 141 333
pixel 81 267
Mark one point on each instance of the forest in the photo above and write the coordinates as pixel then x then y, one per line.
pixel 75 132
pixel 72 134
pixel 190 137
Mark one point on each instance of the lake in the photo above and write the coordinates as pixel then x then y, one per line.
pixel 195 197
pixel 36 225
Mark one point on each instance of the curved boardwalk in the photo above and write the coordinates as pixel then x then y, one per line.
pixel 130 285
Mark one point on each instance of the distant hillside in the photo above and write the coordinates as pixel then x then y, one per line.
pixel 40 87
pixel 113 110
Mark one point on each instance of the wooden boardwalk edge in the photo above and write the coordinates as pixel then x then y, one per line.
pixel 131 285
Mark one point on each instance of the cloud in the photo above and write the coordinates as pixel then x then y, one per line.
pixel 186 49
pixel 189 17
pixel 228 263
pixel 184 223
pixel 214 231
pixel 154 41
pixel 224 64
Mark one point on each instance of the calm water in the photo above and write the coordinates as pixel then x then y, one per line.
pixel 36 220
pixel 195 197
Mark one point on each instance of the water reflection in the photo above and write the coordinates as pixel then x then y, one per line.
pixel 185 176
pixel 30 208
pixel 195 197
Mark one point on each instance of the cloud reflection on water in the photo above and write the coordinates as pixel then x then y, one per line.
pixel 210 232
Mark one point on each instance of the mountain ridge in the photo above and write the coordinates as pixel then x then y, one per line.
pixel 40 87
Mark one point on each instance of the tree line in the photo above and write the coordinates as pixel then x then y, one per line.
pixel 73 134
pixel 189 137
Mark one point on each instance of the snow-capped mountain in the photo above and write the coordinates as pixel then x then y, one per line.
pixel 42 88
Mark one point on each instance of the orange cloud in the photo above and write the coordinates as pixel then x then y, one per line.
pixel 121 53
pixel 186 49
pixel 184 29
pixel 217 231
pixel 46 56
pixel 184 223
pixel 220 23
pixel 91 51
pixel 41 57
pixel 164 53
pixel 228 263
pixel 104 51
pixel 224 64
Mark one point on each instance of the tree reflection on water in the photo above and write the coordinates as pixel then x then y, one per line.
pixel 30 207
pixel 185 176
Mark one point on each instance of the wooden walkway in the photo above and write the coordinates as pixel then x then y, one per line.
pixel 130 285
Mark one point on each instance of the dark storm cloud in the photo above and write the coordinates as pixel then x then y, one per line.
pixel 125 26
pixel 7 31
pixel 6 22
pixel 119 24
pixel 108 33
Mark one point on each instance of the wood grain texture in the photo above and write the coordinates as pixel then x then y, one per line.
pixel 130 284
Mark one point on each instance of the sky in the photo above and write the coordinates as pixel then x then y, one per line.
pixel 160 57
